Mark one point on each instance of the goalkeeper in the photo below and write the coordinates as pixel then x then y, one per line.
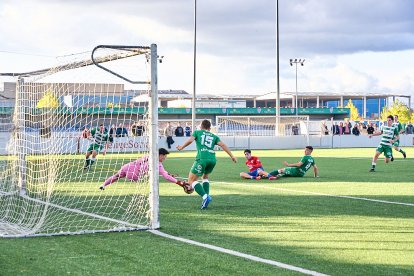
pixel 135 170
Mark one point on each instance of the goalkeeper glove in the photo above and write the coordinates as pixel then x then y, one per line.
pixel 186 186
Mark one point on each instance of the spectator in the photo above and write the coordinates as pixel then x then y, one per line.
pixel 370 128
pixel 187 130
pixel 335 129
pixel 179 131
pixel 140 129
pixel 324 129
pixel 341 128
pixel 409 129
pixel 347 127
pixel 85 133
pixel 295 130
pixel 121 131
pixel 112 131
pixel 134 128
pixel 169 132
pixel 362 128
pixel 355 130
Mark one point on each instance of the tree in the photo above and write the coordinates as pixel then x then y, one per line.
pixel 397 108
pixel 354 111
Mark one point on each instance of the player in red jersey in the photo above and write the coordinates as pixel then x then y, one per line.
pixel 254 164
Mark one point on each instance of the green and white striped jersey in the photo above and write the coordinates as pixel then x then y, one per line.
pixel 99 138
pixel 388 133
pixel 398 126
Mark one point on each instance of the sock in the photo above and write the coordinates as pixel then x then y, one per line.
pixel 401 151
pixel 198 188
pixel 87 162
pixel 206 186
pixel 373 165
pixel 93 160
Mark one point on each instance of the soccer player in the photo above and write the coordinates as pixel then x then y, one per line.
pixel 295 169
pixel 254 165
pixel 100 138
pixel 205 159
pixel 396 143
pixel 135 170
pixel 389 135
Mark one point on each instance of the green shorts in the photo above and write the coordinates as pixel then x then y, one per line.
pixel 203 166
pixel 293 171
pixel 94 147
pixel 396 143
pixel 387 150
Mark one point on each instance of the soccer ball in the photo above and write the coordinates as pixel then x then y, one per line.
pixel 188 189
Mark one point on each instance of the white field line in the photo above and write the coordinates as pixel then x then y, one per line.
pixel 238 254
pixel 337 196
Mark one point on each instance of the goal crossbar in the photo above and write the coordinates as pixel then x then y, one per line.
pixel 130 51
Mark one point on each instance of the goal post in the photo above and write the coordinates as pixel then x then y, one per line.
pixel 44 188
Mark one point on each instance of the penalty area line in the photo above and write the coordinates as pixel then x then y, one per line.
pixel 238 254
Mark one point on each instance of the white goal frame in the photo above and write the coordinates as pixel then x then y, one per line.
pixel 20 144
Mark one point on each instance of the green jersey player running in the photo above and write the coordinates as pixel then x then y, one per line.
pixel 396 143
pixel 100 138
pixel 295 169
pixel 205 159
pixel 390 134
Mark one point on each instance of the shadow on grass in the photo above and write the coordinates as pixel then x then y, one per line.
pixel 332 232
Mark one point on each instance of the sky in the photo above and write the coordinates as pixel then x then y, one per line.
pixel 348 45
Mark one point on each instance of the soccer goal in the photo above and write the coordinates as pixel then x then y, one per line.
pixel 45 187
pixel 262 125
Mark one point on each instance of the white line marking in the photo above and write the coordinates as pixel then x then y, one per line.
pixel 350 197
pixel 338 196
pixel 238 254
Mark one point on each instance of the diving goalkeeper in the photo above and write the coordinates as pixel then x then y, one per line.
pixel 135 170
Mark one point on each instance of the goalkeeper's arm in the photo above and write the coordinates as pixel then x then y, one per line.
pixel 165 174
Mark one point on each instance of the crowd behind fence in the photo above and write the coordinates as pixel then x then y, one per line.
pixel 183 128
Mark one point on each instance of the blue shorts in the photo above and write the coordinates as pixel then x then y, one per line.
pixel 255 172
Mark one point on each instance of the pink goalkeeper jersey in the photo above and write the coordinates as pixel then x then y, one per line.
pixel 136 169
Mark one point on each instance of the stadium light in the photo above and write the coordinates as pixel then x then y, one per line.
pixel 193 103
pixel 277 71
pixel 296 62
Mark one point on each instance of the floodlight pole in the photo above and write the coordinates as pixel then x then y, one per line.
pixel 277 72
pixel 193 103
pixel 296 62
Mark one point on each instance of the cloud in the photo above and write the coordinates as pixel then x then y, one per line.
pixel 236 43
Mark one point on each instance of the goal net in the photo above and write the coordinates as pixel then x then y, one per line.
pixel 65 119
pixel 262 125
